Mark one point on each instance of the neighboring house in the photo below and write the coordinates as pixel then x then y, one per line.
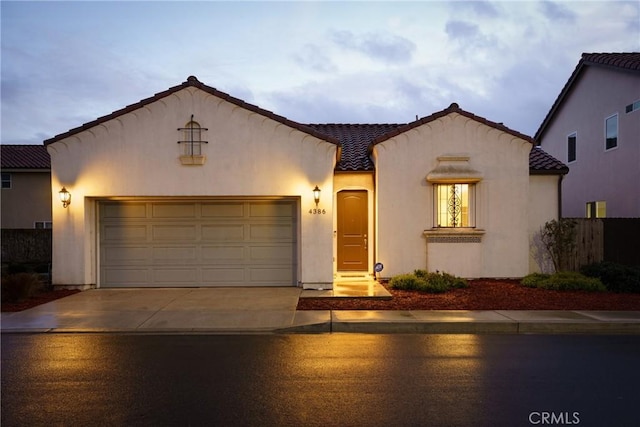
pixel 26 186
pixel 594 127
pixel 192 187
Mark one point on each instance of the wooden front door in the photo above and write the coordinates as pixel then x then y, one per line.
pixel 353 241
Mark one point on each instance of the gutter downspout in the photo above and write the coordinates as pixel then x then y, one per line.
pixel 560 196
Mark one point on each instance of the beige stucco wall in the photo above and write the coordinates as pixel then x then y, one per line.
pixel 405 200
pixel 543 207
pixel 28 199
pixel 136 155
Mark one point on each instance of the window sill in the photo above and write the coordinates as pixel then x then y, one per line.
pixel 454 235
pixel 193 160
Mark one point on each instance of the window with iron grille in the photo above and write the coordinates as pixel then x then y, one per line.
pixel 192 138
pixel 454 205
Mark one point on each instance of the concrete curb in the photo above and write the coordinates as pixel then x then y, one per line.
pixel 373 322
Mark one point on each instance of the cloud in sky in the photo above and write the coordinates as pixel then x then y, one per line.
pixel 388 48
pixel 67 63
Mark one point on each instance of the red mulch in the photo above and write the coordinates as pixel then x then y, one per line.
pixel 485 294
pixel 40 298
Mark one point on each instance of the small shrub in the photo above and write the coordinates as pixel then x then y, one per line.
pixel 19 286
pixel 615 277
pixel 407 282
pixel 563 281
pixel 559 238
pixel 534 280
pixel 424 281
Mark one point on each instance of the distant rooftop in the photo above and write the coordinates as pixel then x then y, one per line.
pixel 24 157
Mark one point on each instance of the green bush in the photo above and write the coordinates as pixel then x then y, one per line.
pixel 424 281
pixel 19 286
pixel 563 281
pixel 615 277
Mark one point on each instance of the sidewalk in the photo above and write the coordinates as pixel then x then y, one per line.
pixel 471 322
pixel 273 310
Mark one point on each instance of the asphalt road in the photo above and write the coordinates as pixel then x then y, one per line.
pixel 320 380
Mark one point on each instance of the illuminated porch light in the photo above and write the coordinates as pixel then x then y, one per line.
pixel 65 197
pixel 316 195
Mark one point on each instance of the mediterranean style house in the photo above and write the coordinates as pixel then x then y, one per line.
pixel 26 186
pixel 193 187
pixel 594 127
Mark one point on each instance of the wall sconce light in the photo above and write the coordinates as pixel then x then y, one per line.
pixel 65 197
pixel 316 195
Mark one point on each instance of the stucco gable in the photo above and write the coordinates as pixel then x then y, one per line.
pixel 453 108
pixel 192 81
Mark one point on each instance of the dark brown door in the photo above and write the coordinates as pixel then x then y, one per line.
pixel 353 242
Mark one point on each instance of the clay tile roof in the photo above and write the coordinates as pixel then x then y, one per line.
pixel 192 81
pixel 354 140
pixel 621 62
pixel 24 157
pixel 626 61
pixel 543 163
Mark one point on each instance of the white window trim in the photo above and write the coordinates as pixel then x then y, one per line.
pixel 617 134
pixel 635 106
pixel 575 135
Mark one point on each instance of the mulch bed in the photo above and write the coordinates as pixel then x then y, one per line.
pixel 40 298
pixel 483 295
pixel 486 294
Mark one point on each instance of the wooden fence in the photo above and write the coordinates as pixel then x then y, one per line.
pixel 26 246
pixel 606 239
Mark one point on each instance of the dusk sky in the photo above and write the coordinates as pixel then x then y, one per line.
pixel 67 63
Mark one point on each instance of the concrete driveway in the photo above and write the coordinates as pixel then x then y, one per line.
pixel 169 310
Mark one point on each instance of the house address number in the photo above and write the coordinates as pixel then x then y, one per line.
pixel 317 211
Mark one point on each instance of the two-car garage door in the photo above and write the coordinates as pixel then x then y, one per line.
pixel 198 243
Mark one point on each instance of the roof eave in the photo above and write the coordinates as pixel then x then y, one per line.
pixel 192 82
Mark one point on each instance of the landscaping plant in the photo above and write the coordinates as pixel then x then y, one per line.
pixel 559 239
pixel 20 286
pixel 424 281
pixel 563 281
pixel 616 277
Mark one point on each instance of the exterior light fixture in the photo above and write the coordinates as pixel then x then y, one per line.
pixel 65 197
pixel 316 195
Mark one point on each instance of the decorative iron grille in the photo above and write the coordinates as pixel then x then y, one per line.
pixel 192 138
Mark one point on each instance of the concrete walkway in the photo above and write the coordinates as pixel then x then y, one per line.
pixel 273 310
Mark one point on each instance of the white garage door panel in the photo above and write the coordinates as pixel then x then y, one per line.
pixel 126 277
pixel 225 232
pixel 126 255
pixel 198 243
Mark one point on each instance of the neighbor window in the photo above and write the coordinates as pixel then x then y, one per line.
pixel 571 147
pixel 454 205
pixel 611 132
pixel 6 180
pixel 42 224
pixel 633 107
pixel 597 209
